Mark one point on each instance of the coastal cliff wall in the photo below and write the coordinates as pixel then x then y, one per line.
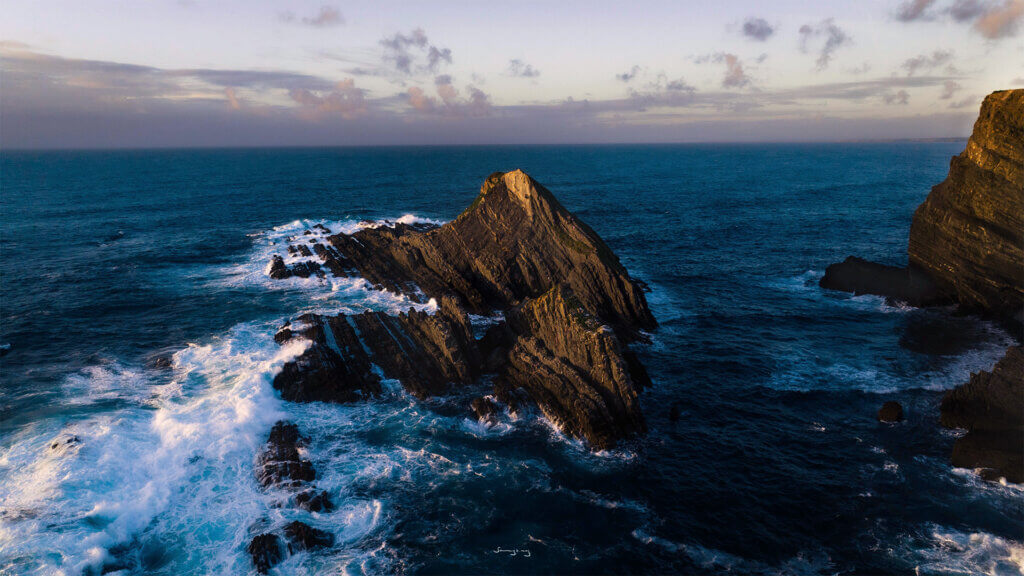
pixel 968 235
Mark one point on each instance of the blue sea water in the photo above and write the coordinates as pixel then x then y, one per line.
pixel 776 466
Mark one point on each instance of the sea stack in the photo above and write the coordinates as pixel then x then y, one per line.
pixel 570 312
pixel 967 247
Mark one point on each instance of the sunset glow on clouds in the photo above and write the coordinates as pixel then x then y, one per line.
pixel 233 73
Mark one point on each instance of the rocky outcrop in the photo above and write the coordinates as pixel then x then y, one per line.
pixel 570 307
pixel 967 247
pixel 991 407
pixel 910 285
pixel 514 242
pixel 572 366
pixel 280 465
pixel 425 352
pixel 968 235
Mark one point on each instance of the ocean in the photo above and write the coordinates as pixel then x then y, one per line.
pixel 776 465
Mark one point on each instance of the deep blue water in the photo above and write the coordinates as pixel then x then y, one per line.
pixel 777 464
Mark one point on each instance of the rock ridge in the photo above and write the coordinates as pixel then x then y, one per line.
pixel 570 311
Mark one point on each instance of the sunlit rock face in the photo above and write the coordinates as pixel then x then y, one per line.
pixel 570 309
pixel 968 235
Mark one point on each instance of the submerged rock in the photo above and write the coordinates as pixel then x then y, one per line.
pixel 910 285
pixel 302 536
pixel 991 407
pixel 890 412
pixel 281 464
pixel 266 551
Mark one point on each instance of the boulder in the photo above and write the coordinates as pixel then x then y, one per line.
pixel 890 412
pixel 266 551
pixel 302 536
pixel 280 464
pixel 909 285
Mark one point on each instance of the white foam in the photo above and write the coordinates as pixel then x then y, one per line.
pixel 948 551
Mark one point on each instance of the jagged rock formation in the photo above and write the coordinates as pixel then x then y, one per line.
pixel 967 238
pixel 969 233
pixel 991 407
pixel 514 242
pixel 572 366
pixel 571 308
pixel 282 466
pixel 425 352
pixel 910 285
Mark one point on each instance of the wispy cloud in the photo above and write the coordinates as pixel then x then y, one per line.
pixel 757 29
pixel 928 62
pixel 628 75
pixel 949 88
pixel 520 69
pixel 914 10
pixel 345 100
pixel 327 17
pixel 414 52
pixel 832 38
pixel 901 97
pixel 448 101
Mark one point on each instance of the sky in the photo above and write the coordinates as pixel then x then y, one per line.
pixel 178 73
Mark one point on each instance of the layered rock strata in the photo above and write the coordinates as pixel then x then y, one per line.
pixel 570 307
pixel 967 247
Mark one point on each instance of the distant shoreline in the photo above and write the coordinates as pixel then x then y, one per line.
pixel 946 140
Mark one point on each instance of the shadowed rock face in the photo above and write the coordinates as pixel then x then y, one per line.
pixel 969 233
pixel 967 239
pixel 425 352
pixel 910 285
pixel 570 308
pixel 572 366
pixel 991 407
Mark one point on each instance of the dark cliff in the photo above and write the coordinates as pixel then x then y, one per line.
pixel 968 235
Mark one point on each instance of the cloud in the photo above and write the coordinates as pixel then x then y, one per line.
pixel 402 51
pixel 327 17
pixel 520 69
pixel 345 100
pixel 734 75
pixel 233 100
pixel 448 102
pixel 927 62
pixel 758 29
pixel 628 76
pixel 1001 21
pixel 914 10
pixel 834 37
pixel 949 88
pixel 901 98
pixel 966 10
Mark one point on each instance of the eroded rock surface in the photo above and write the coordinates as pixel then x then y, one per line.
pixel 426 352
pixel 991 407
pixel 571 309
pixel 572 366
pixel 969 233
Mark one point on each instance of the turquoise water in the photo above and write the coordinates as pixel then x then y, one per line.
pixel 777 464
